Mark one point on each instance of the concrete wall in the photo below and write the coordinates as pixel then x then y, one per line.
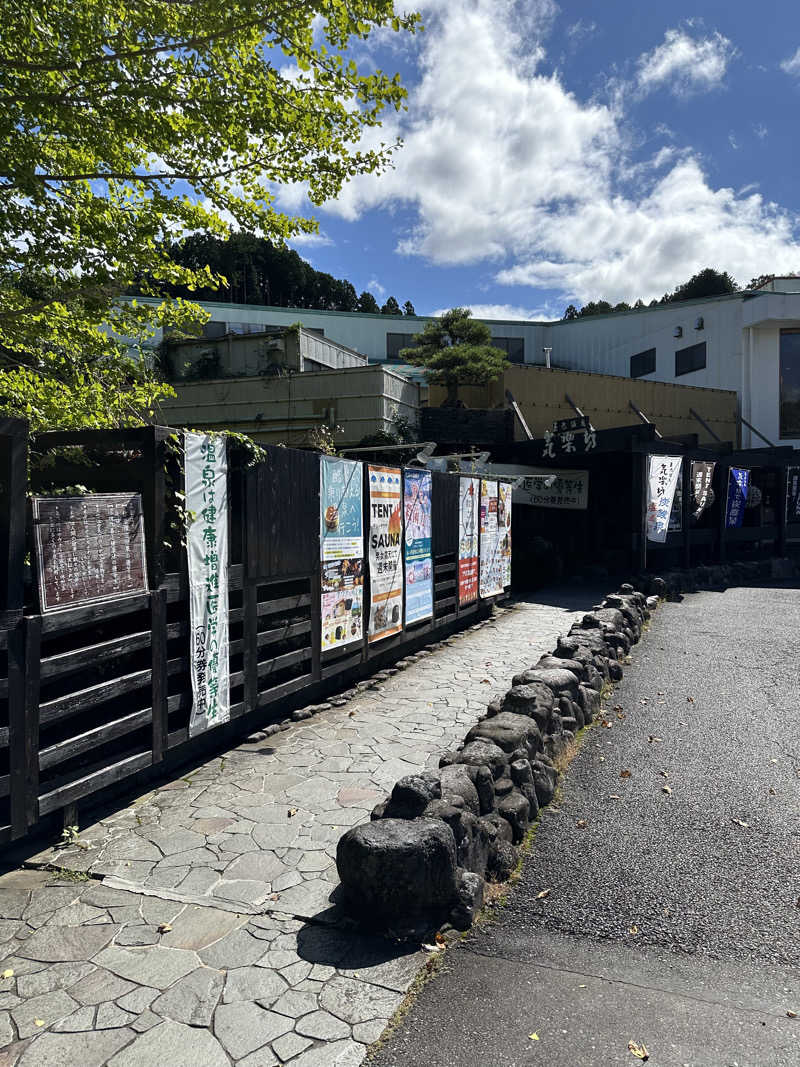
pixel 360 400
pixel 540 394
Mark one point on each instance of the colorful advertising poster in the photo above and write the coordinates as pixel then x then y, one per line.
pixel 385 551
pixel 341 551
pixel 702 475
pixel 793 494
pixel 206 471
pixel 419 563
pixel 490 577
pixel 663 475
pixel 504 531
pixel 469 491
pixel 738 488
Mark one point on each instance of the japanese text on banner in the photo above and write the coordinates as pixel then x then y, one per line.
pixel 341 551
pixel 469 492
pixel 663 475
pixel 206 469
pixel 417 491
pixel 385 551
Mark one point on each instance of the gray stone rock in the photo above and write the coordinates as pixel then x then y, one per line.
pixel 290 1045
pixel 242 1028
pixel 522 776
pixel 174 1044
pixel 509 732
pixel 91 1049
pixel 457 781
pixel 470 900
pixel 556 663
pixel 515 809
pixel 397 872
pixel 254 983
pixel 530 696
pixel 322 1026
pixel 54 944
pixel 109 1017
pixel 51 1007
pixel 56 976
pixel 156 966
pixel 346 1053
pixel 77 1023
pixel 236 949
pixel 295 1003
pixel 411 795
pixel 138 935
pixel 192 999
pixel 484 754
pixel 357 1002
pixel 502 787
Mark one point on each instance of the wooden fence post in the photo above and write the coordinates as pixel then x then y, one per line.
pixel 30 728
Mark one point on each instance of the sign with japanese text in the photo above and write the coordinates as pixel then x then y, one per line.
pixel 206 468
pixel 663 475
pixel 385 551
pixel 793 494
pixel 568 442
pixel 417 488
pixel 577 422
pixel 504 531
pixel 702 475
pixel 88 549
pixel 341 551
pixel 491 580
pixel 545 488
pixel 738 488
pixel 469 492
pixel 676 514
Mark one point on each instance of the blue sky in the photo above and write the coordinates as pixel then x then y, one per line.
pixel 564 152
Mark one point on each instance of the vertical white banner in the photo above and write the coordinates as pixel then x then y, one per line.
pixel 206 469
pixel 491 583
pixel 662 479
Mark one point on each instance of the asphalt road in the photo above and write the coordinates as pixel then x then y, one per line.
pixel 673 918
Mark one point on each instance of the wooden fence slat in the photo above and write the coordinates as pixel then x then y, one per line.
pixel 68 662
pixel 288 659
pixel 93 781
pixel 30 726
pixel 74 703
pixel 250 645
pixel 63 622
pixel 18 741
pixel 159 675
pixel 85 742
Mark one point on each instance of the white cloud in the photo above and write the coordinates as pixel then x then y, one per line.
pixel 684 64
pixel 760 130
pixel 375 286
pixel 502 165
pixel 579 31
pixel 792 64
pixel 310 240
pixel 506 312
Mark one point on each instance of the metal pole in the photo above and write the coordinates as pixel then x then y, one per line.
pixel 704 424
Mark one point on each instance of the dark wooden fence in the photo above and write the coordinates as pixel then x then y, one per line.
pixel 92 696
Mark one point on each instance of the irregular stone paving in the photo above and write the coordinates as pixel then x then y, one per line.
pixel 205 932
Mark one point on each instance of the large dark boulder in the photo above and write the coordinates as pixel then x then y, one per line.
pixel 411 795
pixel 522 776
pixel 399 874
pixel 559 680
pixel 484 753
pixel 515 809
pixel 557 663
pixel 470 900
pixel 509 732
pixel 457 781
pixel 544 780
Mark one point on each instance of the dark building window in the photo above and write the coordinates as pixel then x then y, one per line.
pixel 690 359
pixel 396 341
pixel 643 363
pixel 790 383
pixel 214 329
pixel 514 348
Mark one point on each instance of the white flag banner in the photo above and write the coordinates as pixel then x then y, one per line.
pixel 206 469
pixel 662 479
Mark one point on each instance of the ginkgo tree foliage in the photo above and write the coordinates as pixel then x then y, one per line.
pixel 129 123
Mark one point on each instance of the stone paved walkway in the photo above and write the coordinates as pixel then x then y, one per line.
pixel 205 932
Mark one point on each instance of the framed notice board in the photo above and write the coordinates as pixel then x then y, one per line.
pixel 88 549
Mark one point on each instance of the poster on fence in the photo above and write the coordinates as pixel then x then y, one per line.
pixel 504 531
pixel 469 491
pixel 738 488
pixel 793 494
pixel 702 475
pixel 385 551
pixel 341 551
pixel 543 488
pixel 491 582
pixel 663 475
pixel 206 471
pixel 419 562
pixel 88 549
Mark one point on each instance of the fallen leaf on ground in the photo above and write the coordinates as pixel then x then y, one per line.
pixel 486 681
pixel 433 948
pixel 614 796
pixel 439 939
pixel 666 789
pixel 9 973
pixel 533 1037
pixel 664 774
pixel 640 1051
pixel 741 822
pixel 581 824
pixel 690 700
pixel 39 1022
pixel 618 707
pixel 652 739
pixel 164 928
pixel 275 896
pixel 544 893
pixel 350 714
pixel 791 1014
pixel 772 793
pixel 634 930
pixel 625 773
pixel 291 812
